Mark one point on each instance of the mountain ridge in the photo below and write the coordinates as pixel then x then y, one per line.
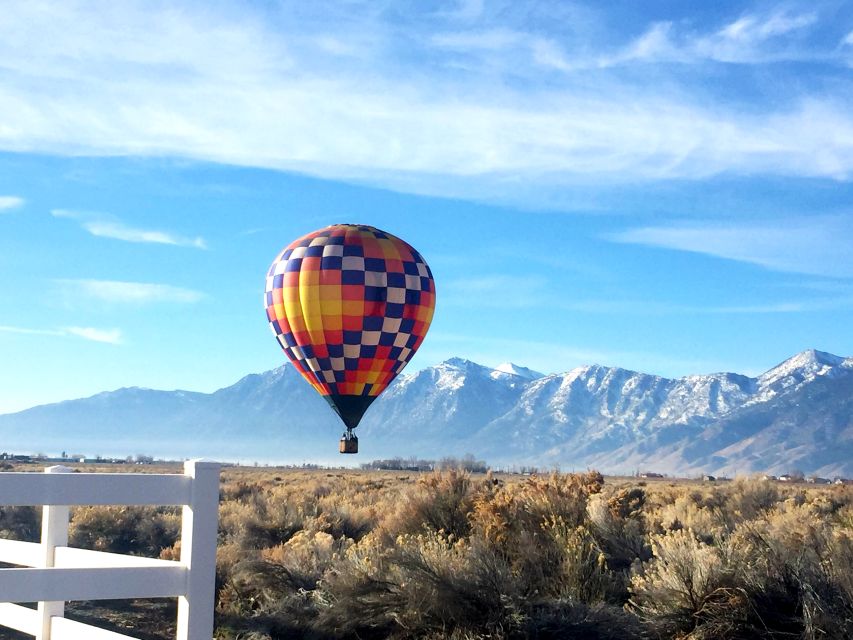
pixel 611 418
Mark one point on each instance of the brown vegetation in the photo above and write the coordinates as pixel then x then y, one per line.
pixel 453 555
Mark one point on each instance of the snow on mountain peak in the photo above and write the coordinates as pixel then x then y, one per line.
pixel 458 363
pixel 795 371
pixel 807 363
pixel 508 368
pixel 813 356
pixel 450 375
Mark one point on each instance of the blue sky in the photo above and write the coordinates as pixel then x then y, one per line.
pixel 663 186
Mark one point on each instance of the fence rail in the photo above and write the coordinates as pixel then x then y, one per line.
pixel 51 572
pixel 62 488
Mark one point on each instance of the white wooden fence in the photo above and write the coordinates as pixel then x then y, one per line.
pixel 52 573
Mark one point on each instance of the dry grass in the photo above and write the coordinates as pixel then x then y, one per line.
pixel 449 555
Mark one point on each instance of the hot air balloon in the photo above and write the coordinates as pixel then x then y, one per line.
pixel 349 305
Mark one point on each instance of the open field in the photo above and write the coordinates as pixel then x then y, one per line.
pixel 355 554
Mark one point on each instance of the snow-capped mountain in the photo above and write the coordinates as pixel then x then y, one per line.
pixel 801 369
pixel 510 369
pixel 797 415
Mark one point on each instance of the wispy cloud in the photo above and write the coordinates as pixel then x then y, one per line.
pixel 30 332
pixel 8 203
pixel 758 28
pixel 815 246
pixel 535 292
pixel 130 292
pixel 107 226
pixel 752 38
pixel 108 336
pixel 247 89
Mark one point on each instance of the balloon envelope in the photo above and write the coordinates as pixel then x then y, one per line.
pixel 349 305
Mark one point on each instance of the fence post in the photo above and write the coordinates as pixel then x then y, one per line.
pixel 198 551
pixel 54 533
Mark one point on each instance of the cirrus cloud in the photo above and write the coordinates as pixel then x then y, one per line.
pixel 131 292
pixel 10 202
pixel 814 246
pixel 107 226
pixel 108 336
pixel 422 103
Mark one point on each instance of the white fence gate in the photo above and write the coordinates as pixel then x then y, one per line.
pixel 53 573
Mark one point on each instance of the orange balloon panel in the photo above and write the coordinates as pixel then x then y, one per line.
pixel 349 305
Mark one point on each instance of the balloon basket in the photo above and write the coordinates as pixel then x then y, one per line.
pixel 349 443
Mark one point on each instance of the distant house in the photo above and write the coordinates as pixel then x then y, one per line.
pixel 768 477
pixel 709 478
pixel 786 478
pixel 651 474
pixel 840 480
pixel 817 480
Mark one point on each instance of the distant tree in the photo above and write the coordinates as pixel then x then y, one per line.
pixel 399 464
pixel 467 463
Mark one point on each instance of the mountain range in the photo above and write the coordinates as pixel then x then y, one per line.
pixel 796 416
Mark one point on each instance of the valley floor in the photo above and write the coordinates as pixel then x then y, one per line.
pixel 357 554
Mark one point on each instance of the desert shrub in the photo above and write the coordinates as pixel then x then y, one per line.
pixel 246 492
pixel 143 531
pixel 800 576
pixel 359 596
pixel 840 562
pixel 260 522
pixel 462 583
pixel 691 512
pixel 345 522
pixel 689 587
pixel 583 572
pixel 561 619
pixel 433 585
pixel 619 526
pixel 506 514
pixel 442 501
pixel 749 498
pixel 451 556
pixel 307 556
pixel 428 585
pixel 561 495
pixel 20 523
pixel 278 543
pixel 229 600
pixel 784 573
pixel 269 592
pixel 521 546
pixel 540 528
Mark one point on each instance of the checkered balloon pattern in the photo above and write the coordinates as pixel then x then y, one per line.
pixel 349 305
